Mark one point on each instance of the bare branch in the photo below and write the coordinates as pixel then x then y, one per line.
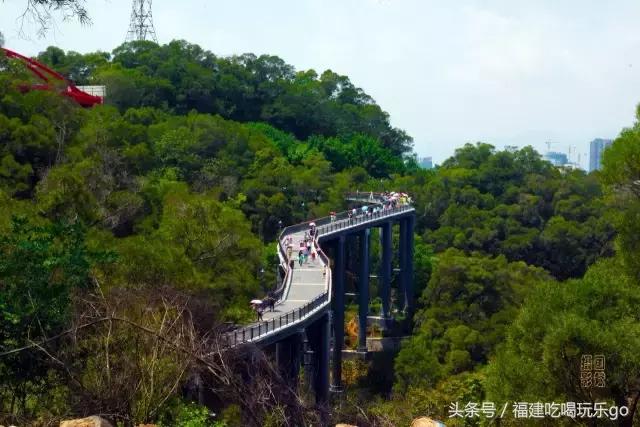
pixel 41 12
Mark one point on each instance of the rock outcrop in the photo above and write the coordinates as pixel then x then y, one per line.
pixel 87 422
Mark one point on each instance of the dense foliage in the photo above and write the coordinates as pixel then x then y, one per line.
pixel 594 315
pixel 517 205
pixel 468 303
pixel 178 185
pixel 181 77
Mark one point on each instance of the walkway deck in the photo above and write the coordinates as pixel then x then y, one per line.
pixel 307 291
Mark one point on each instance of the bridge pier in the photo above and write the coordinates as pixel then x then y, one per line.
pixel 338 312
pixel 363 290
pixel 408 264
pixel 288 357
pixel 385 267
pixel 402 283
pixel 317 369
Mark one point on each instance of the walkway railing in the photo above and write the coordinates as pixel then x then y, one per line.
pixel 360 218
pixel 324 226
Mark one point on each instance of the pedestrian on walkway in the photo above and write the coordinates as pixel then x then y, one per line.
pixel 270 302
pixel 300 257
pixel 259 310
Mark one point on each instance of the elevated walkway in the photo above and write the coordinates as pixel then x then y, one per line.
pixel 306 293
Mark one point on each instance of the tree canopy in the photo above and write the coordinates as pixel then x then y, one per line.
pixel 184 176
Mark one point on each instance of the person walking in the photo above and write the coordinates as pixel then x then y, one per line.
pixel 300 258
pixel 259 311
pixel 270 302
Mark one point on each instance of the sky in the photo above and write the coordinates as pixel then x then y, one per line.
pixel 505 72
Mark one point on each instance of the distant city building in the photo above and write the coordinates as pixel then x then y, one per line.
pixel 556 158
pixel 426 163
pixel 597 148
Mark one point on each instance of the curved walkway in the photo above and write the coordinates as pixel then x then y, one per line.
pixel 306 290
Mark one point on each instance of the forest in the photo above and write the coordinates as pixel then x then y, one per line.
pixel 133 233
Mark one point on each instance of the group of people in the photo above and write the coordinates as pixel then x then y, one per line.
pixel 390 200
pixel 394 199
pixel 306 249
pixel 259 306
pixel 364 211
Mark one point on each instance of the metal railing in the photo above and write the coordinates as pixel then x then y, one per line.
pixel 361 218
pixel 252 332
pixel 324 226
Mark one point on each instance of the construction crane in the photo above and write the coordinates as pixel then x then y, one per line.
pixel 49 77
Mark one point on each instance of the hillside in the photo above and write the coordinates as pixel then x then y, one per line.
pixel 130 231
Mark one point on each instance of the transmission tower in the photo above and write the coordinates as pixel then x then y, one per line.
pixel 141 25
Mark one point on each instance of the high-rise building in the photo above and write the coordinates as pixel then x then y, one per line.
pixel 556 158
pixel 426 163
pixel 595 156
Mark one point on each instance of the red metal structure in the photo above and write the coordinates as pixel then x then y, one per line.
pixel 48 76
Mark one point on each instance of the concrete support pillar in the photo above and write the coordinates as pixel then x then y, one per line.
pixel 385 267
pixel 322 349
pixel 363 290
pixel 308 360
pixel 338 312
pixel 402 284
pixel 409 264
pixel 288 357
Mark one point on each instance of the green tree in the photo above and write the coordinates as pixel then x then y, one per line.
pixel 621 173
pixel 517 205
pixel 40 268
pixel 540 360
pixel 468 303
